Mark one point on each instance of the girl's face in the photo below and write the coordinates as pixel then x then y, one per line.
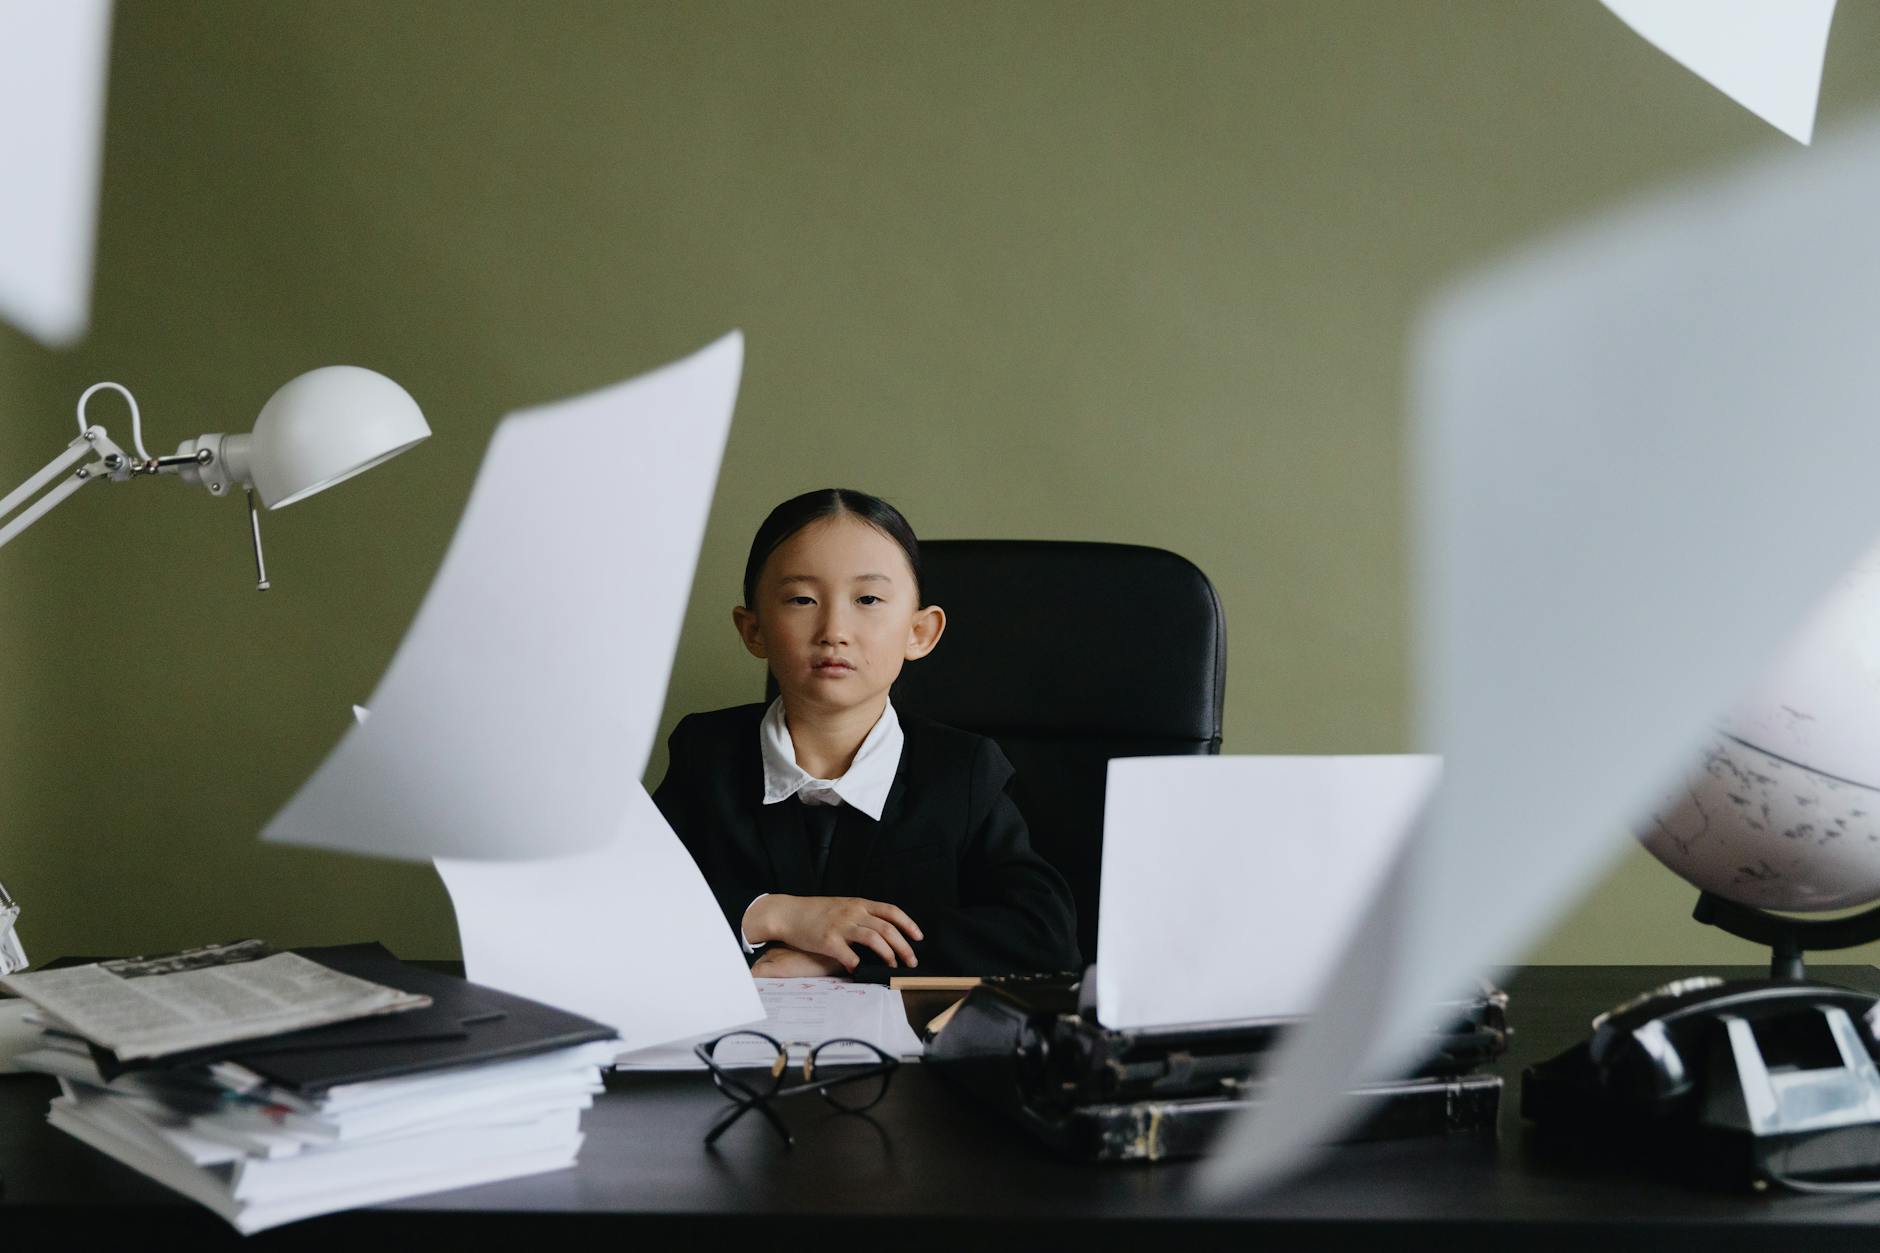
pixel 837 615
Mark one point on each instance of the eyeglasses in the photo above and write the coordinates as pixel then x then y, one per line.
pixel 748 1067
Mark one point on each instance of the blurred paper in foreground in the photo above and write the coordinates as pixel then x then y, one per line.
pixel 1764 54
pixel 520 709
pixel 53 58
pixel 628 933
pixel 1642 452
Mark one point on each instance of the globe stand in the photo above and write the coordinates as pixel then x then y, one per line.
pixel 1787 937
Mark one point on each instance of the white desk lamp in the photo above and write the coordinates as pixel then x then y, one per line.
pixel 317 430
pixel 327 425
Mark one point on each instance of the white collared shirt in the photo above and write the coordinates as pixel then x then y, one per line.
pixel 864 785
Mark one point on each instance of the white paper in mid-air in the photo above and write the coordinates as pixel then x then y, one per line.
pixel 1764 54
pixel 1230 884
pixel 520 709
pixel 53 59
pixel 627 934
pixel 1642 452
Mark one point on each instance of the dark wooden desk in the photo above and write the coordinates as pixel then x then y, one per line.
pixel 926 1171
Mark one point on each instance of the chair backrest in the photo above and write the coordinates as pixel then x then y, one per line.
pixel 1069 654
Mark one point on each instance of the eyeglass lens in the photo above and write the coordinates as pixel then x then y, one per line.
pixel 748 1065
pixel 829 1060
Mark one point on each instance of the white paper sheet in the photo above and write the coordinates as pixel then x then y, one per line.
pixel 53 58
pixel 1280 853
pixel 627 934
pixel 520 709
pixel 1764 54
pixel 1643 451
pixel 803 1010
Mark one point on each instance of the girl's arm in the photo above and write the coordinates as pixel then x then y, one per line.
pixel 841 928
pixel 781 962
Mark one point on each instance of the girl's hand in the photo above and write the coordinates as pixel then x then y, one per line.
pixel 782 962
pixel 828 925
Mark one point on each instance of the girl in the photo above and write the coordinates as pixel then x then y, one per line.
pixel 833 831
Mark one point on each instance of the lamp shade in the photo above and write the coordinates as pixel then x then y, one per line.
pixel 327 425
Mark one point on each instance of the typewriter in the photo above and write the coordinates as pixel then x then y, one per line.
pixel 1031 1048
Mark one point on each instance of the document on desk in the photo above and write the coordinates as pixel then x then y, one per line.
pixel 530 683
pixel 811 1010
pixel 151 1006
pixel 1643 450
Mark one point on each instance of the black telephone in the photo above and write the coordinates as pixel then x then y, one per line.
pixel 1770 1080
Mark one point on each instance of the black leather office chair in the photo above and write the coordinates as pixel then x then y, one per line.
pixel 1069 654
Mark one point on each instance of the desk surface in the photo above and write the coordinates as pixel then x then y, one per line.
pixel 926 1170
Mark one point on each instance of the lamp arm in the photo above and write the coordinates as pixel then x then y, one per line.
pixel 137 418
pixel 110 462
pixel 12 952
pixel 212 461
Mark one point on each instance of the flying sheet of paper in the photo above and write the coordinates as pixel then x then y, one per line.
pixel 1642 453
pixel 1281 852
pixel 627 934
pixel 521 707
pixel 53 59
pixel 1764 54
pixel 807 1011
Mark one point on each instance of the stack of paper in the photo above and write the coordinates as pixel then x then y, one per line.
pixel 802 1012
pixel 475 1085
pixel 260 1155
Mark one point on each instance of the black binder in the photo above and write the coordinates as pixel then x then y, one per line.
pixel 465 1023
pixel 1032 1049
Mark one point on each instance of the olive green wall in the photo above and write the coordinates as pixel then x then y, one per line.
pixel 1122 271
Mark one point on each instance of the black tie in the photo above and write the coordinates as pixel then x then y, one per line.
pixel 820 822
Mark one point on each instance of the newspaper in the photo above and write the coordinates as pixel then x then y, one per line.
pixel 151 1006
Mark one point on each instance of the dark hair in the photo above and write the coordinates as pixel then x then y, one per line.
pixel 828 502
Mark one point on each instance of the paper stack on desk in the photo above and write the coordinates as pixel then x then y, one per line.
pixel 478 1086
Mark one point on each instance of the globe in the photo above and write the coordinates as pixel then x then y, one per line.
pixel 1782 809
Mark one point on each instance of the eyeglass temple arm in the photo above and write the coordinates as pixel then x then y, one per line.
pixel 742 1108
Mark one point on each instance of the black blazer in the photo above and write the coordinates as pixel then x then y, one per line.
pixel 950 849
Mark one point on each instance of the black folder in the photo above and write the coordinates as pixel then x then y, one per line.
pixel 465 1023
pixel 1033 1050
